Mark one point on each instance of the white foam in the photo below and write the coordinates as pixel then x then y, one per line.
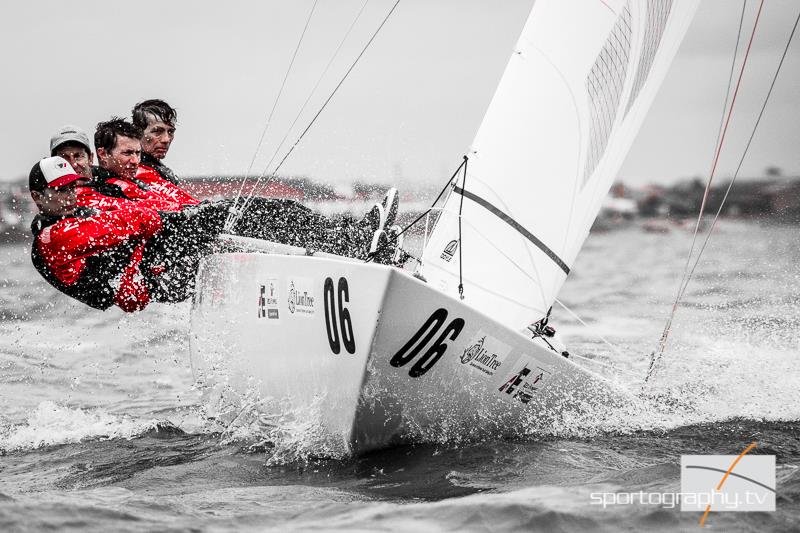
pixel 52 424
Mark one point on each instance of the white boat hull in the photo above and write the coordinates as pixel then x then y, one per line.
pixel 379 356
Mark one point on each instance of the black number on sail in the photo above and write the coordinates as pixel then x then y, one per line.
pixel 422 337
pixel 344 323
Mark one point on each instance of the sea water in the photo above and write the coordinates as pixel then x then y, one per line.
pixel 102 428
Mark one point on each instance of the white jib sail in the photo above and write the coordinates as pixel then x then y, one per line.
pixel 564 115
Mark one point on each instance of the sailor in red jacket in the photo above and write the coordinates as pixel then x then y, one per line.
pixel 284 221
pixel 116 180
pixel 157 120
pixel 272 219
pixel 93 256
pixel 161 267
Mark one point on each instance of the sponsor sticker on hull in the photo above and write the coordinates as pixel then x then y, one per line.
pixel 526 380
pixel 269 300
pixel 301 300
pixel 484 353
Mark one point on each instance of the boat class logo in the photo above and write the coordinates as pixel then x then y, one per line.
pixel 449 250
pixel 526 382
pixel 268 300
pixel 301 298
pixel 484 356
pixel 727 483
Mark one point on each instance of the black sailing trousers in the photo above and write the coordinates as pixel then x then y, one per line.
pixel 171 257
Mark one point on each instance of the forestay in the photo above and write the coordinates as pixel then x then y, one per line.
pixel 564 115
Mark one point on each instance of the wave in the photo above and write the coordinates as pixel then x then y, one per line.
pixel 52 424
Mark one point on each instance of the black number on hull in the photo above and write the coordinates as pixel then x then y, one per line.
pixel 330 316
pixel 344 324
pixel 344 317
pixel 421 338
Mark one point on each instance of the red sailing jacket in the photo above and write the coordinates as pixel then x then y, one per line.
pixel 109 191
pixel 162 181
pixel 91 196
pixel 94 256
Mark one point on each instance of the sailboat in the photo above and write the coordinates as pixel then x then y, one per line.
pixel 381 355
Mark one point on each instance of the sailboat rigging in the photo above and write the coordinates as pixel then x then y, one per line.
pixel 688 272
pixel 448 351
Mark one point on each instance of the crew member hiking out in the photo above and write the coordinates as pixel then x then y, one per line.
pixel 90 255
pixel 194 227
pixel 72 143
pixel 157 120
pixel 117 241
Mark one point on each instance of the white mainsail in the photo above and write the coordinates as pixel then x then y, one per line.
pixel 564 115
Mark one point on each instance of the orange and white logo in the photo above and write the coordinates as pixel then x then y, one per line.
pixel 721 483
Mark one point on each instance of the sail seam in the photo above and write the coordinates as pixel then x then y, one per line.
pixel 514 224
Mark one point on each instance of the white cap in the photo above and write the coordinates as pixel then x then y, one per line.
pixel 51 172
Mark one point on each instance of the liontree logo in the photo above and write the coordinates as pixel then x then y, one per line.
pixel 449 250
pixel 292 297
pixel 485 353
pixel 471 351
pixel 300 301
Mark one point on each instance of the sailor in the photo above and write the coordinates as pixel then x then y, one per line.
pixel 72 143
pixel 88 254
pixel 119 149
pixel 120 242
pixel 157 120
pixel 284 221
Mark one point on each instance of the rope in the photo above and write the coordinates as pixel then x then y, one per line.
pixel 574 315
pixel 420 217
pixel 231 215
pixel 611 367
pixel 659 352
pixel 746 149
pixel 463 165
pixel 730 75
pixel 316 86
pixel 538 329
pixel 324 105
pixel 460 242
pixel 721 139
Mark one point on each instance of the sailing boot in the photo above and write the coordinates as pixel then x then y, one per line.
pixel 380 250
pixel 374 218
pixel 390 205
pixel 396 238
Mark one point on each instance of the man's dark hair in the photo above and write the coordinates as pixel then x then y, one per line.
pixel 105 136
pixel 158 109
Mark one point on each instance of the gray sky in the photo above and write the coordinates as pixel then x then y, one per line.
pixel 409 109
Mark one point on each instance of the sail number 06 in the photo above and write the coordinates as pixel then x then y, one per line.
pixel 422 337
pixel 334 305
